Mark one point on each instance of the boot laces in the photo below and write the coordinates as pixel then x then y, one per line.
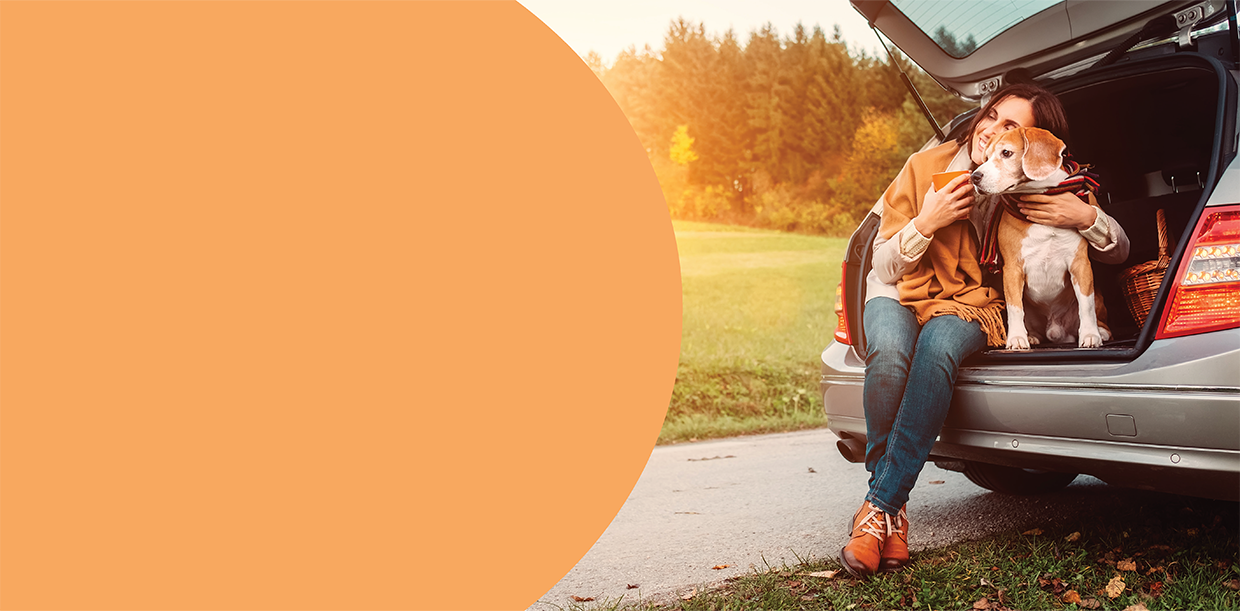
pixel 900 522
pixel 876 523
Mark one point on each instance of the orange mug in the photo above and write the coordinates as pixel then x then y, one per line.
pixel 942 178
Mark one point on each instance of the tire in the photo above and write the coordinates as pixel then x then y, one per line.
pixel 1010 480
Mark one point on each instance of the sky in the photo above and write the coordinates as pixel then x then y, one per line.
pixel 610 26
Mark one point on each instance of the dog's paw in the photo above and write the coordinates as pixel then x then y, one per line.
pixel 1034 340
pixel 1090 340
pixel 1017 342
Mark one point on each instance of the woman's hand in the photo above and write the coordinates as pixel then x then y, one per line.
pixel 1064 210
pixel 946 206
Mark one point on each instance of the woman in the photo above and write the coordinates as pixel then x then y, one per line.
pixel 928 308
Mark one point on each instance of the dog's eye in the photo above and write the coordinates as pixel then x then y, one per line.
pixel 1006 153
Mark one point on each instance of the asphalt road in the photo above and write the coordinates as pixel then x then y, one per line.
pixel 767 500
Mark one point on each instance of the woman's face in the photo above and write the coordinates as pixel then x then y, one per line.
pixel 1010 113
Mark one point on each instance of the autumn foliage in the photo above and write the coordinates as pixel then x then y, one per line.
pixel 794 133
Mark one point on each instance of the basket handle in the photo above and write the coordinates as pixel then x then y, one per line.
pixel 1163 258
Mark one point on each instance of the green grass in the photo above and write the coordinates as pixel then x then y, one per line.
pixel 1177 554
pixel 758 310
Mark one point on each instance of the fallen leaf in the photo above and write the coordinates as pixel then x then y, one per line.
pixel 1036 531
pixel 1155 569
pixel 1192 532
pixel 1115 587
pixel 583 600
pixel 1136 607
pixel 937 481
pixel 794 584
pixel 1126 565
pixel 1052 584
pixel 811 470
pixel 1076 536
pixel 1156 589
pixel 823 574
pixel 632 586
pixel 1233 584
pixel 689 595
pixel 1071 597
pixel 720 567
pixel 982 604
pixel 1090 603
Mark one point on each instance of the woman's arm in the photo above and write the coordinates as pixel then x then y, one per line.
pixel 895 257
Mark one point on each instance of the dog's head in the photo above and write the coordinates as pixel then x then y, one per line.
pixel 1022 157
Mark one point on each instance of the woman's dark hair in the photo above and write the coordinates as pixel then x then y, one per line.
pixel 1048 113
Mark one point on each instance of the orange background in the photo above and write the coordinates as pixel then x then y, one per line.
pixel 317 306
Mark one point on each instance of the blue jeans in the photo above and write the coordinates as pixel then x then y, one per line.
pixel 910 373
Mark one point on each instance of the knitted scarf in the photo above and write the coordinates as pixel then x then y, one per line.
pixel 948 277
pixel 1080 182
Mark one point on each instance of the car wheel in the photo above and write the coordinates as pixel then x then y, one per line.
pixel 1010 480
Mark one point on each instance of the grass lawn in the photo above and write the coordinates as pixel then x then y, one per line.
pixel 758 310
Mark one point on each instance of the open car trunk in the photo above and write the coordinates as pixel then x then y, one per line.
pixel 1159 132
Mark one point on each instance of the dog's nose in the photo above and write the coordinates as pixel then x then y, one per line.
pixel 976 177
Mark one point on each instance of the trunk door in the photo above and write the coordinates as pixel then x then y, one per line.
pixel 968 45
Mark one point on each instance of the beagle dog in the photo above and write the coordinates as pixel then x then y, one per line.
pixel 1048 282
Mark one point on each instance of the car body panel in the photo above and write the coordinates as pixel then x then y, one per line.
pixel 1227 191
pixel 1185 426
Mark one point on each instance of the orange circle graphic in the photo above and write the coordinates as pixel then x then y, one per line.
pixel 317 305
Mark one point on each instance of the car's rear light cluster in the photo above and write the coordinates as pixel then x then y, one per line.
pixel 841 310
pixel 1206 293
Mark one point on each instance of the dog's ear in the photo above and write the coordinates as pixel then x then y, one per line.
pixel 1043 153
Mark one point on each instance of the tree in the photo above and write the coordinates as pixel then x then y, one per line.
pixel 954 48
pixel 796 132
pixel 682 147
pixel 767 123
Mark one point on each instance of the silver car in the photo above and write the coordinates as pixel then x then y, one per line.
pixel 1151 94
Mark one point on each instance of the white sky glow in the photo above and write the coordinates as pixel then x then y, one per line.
pixel 610 26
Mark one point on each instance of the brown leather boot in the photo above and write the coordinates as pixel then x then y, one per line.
pixel 895 550
pixel 869 531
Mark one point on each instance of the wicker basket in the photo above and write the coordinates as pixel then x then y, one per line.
pixel 1140 282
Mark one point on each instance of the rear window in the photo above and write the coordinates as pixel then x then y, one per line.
pixel 961 26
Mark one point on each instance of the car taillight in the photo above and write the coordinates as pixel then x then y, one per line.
pixel 841 310
pixel 1206 293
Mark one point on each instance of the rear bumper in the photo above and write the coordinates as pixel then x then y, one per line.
pixel 1168 420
